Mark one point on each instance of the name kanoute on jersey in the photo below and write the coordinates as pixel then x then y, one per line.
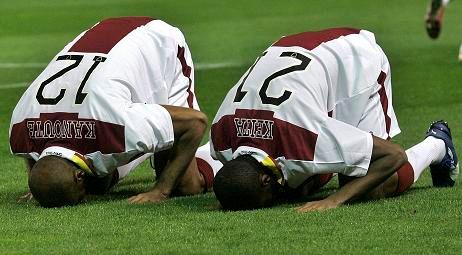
pixel 100 95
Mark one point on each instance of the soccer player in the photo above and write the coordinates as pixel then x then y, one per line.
pixel 118 93
pixel 314 104
pixel 434 20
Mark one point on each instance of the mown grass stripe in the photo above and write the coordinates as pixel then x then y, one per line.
pixel 198 66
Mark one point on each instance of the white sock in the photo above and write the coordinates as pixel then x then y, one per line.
pixel 445 2
pixel 429 151
pixel 203 152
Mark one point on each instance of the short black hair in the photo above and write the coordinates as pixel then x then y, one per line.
pixel 53 183
pixel 238 185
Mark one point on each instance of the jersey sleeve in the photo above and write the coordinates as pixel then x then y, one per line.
pixel 148 128
pixel 343 148
pixel 340 148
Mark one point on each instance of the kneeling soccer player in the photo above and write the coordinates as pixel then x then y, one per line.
pixel 314 104
pixel 117 94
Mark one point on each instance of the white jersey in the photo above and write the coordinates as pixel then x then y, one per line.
pixel 100 96
pixel 308 105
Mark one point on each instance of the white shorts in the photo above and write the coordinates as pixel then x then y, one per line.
pixel 379 117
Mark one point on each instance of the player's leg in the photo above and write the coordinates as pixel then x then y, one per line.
pixel 182 87
pixel 436 151
pixel 206 165
pixel 386 189
pixel 310 186
pixel 380 119
pixel 198 178
pixel 434 17
pixel 444 167
pixel 430 151
pixel 192 182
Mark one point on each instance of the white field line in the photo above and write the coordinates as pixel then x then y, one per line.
pixel 198 67
pixel 210 66
pixel 21 65
pixel 14 85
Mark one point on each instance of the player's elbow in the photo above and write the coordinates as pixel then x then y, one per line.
pixel 187 123
pixel 196 127
pixel 199 123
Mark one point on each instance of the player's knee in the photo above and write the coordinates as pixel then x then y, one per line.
pixel 189 188
pixel 398 155
pixel 191 183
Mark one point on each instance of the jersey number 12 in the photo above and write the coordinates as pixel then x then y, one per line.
pixel 80 96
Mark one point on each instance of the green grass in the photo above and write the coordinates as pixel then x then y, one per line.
pixel 426 83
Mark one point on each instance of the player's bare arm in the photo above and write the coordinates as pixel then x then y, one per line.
pixel 28 195
pixel 161 159
pixel 189 126
pixel 386 159
pixel 190 183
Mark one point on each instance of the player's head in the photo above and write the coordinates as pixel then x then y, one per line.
pixel 55 182
pixel 243 184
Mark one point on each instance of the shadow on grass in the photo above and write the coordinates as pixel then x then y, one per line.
pixel 197 203
pixel 133 186
pixel 208 203
pixel 325 192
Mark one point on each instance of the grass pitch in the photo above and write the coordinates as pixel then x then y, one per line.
pixel 426 82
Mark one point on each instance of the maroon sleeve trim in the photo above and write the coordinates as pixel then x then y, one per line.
pixel 106 34
pixel 311 40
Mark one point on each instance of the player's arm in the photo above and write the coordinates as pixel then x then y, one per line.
pixel 28 195
pixel 386 159
pixel 161 160
pixel 29 164
pixel 189 126
pixel 191 182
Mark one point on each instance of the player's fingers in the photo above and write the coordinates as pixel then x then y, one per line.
pixel 312 206
pixel 29 198
pixel 135 199
pixel 25 198
pixel 140 199
pixel 305 208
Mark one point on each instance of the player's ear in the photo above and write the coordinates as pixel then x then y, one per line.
pixel 265 179
pixel 79 176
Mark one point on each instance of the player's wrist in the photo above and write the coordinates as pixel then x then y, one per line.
pixel 160 192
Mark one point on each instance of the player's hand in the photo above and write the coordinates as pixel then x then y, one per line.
pixel 25 198
pixel 320 205
pixel 152 196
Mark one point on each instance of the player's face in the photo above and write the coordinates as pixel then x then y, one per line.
pixel 268 192
pixel 97 185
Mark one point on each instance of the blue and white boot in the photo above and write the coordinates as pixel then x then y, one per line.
pixel 444 173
